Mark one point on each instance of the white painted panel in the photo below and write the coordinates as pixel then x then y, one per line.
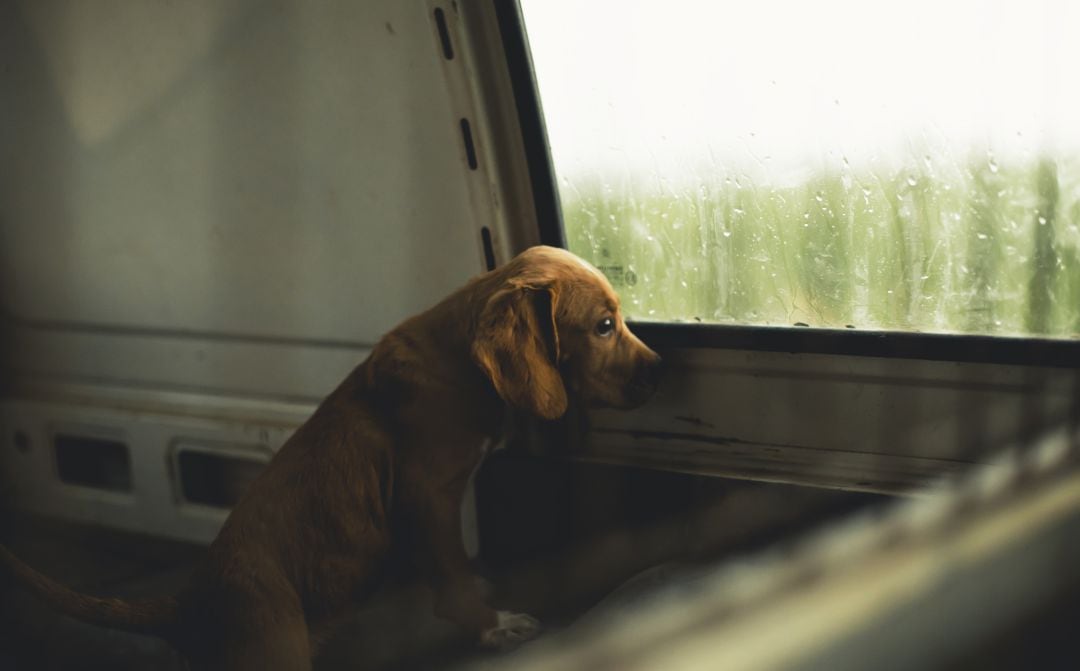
pixel 251 167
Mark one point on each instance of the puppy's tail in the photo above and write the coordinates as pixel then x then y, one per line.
pixel 144 616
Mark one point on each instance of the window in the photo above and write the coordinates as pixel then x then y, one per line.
pixel 900 166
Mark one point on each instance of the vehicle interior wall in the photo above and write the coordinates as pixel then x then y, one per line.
pixel 209 213
pixel 186 181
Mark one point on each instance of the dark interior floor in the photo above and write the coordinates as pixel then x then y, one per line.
pixel 531 569
pixel 395 630
pixel 560 540
pixel 557 540
pixel 96 561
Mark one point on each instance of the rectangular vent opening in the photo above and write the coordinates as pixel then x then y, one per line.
pixel 214 479
pixel 93 462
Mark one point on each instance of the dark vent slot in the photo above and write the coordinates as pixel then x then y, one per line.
pixel 215 480
pixel 93 462
pixel 470 149
pixel 489 250
pixel 444 34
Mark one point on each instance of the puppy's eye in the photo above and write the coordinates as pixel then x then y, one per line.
pixel 605 327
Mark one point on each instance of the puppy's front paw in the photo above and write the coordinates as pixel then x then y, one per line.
pixel 512 630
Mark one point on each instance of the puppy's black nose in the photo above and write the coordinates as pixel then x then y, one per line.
pixel 652 371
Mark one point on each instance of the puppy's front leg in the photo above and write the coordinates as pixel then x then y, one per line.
pixel 440 554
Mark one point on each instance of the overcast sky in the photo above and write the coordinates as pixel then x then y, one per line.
pixel 777 88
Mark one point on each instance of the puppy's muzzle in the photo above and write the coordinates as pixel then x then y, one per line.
pixel 649 371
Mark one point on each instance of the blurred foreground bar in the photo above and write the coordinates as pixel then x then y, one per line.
pixel 939 581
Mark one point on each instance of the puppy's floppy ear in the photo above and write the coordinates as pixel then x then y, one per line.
pixel 517 346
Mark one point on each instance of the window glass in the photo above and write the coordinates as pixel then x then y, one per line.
pixel 836 163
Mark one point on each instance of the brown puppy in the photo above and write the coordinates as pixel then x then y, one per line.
pixel 376 476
